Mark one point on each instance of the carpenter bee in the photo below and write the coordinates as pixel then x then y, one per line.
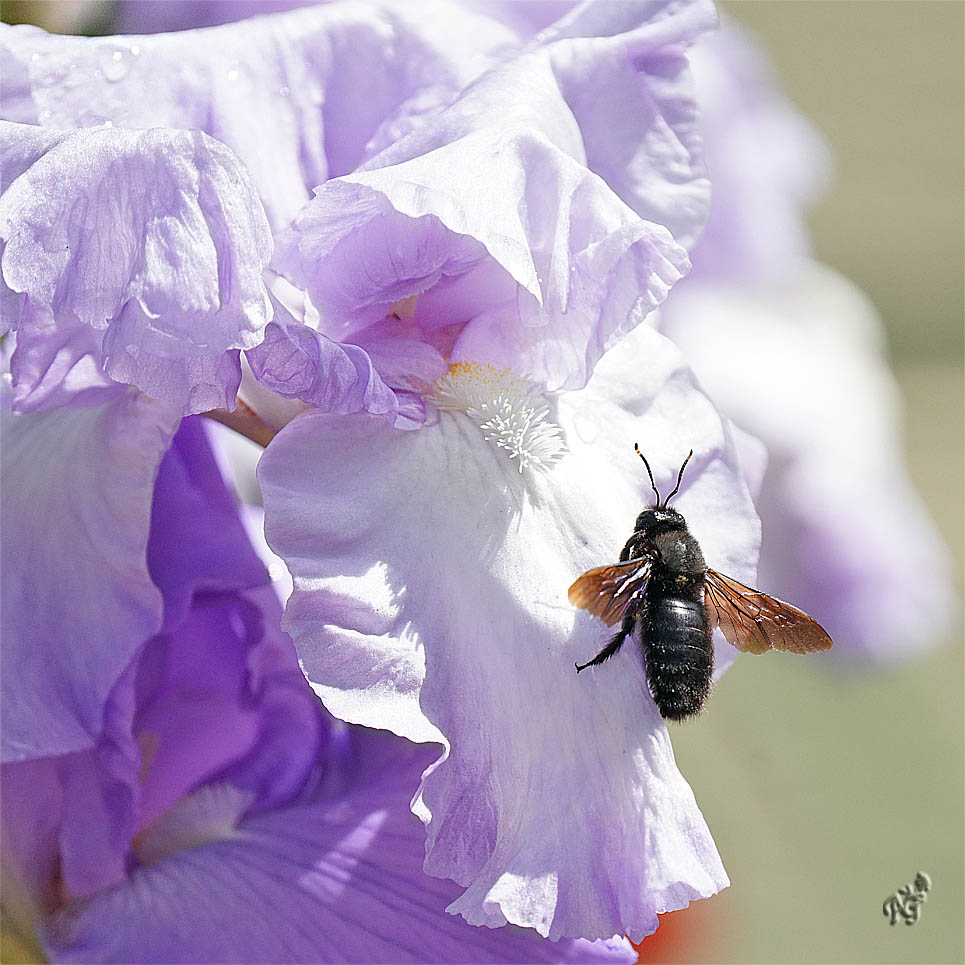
pixel 664 589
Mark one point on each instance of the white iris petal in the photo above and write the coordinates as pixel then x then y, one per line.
pixel 556 803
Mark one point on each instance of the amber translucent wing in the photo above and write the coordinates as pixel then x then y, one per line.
pixel 606 590
pixel 755 622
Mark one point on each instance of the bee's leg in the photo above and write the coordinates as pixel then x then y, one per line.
pixel 629 549
pixel 629 621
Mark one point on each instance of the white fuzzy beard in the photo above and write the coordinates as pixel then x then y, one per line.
pixel 508 409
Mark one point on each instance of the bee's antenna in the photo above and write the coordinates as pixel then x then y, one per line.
pixel 636 449
pixel 680 475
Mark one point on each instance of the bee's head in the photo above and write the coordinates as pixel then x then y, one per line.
pixel 657 518
pixel 660 514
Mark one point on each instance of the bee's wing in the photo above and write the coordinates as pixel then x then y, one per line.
pixel 755 622
pixel 606 590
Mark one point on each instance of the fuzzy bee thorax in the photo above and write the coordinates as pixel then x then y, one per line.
pixel 679 552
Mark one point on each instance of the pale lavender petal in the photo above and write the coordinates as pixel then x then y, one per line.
pixel 800 364
pixel 297 362
pixel 153 239
pixel 16 102
pixel 78 601
pixel 621 70
pixel 156 16
pixel 527 18
pixel 766 161
pixel 297 96
pixel 566 281
pixel 403 358
pixel 334 879
pixel 429 572
pixel 204 382
pixel 348 225
pixel 634 102
pixel 54 364
pixel 580 268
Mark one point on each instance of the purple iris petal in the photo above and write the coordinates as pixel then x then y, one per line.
pixel 297 96
pixel 402 357
pixel 293 735
pixel 78 601
pixel 332 878
pixel 221 698
pixel 216 702
pixel 152 239
pixel 222 667
pixel 197 541
pixel 349 224
pixel 100 799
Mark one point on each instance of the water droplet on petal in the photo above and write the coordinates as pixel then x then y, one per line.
pixel 587 427
pixel 113 64
pixel 35 56
pixel 284 91
pixel 234 73
pixel 135 50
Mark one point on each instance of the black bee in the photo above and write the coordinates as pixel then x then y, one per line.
pixel 664 589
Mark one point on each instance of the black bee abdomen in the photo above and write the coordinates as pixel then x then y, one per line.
pixel 678 651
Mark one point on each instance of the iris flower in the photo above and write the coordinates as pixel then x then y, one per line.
pixel 424 254
pixel 491 226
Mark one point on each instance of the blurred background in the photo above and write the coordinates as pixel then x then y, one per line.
pixel 829 788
